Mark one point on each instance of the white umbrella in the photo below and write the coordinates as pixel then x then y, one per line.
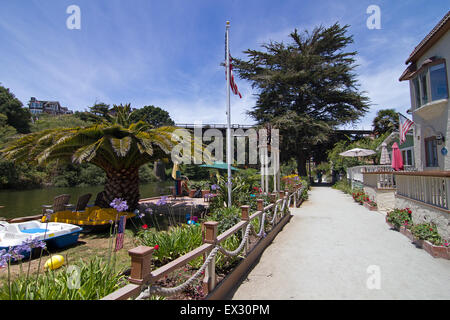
pixel 384 158
pixel 357 152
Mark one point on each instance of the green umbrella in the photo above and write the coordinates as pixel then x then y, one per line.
pixel 218 165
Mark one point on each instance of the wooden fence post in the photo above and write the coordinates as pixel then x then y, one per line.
pixel 259 204
pixel 141 261
pixel 209 281
pixel 273 197
pixel 245 217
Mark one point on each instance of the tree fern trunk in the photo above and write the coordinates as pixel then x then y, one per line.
pixel 123 184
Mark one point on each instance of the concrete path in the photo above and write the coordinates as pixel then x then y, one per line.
pixel 334 248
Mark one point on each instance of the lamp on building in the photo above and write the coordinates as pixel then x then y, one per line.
pixel 440 138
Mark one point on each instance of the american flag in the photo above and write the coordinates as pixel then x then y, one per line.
pixel 233 85
pixel 405 125
pixel 120 233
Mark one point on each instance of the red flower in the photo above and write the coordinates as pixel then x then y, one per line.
pixel 156 247
pixel 431 229
pixel 144 226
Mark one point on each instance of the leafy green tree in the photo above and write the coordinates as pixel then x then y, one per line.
pixel 385 121
pixel 312 78
pixel 119 147
pixel 101 110
pixel 18 117
pixel 6 131
pixel 154 116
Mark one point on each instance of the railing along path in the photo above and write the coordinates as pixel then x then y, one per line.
pixel 142 279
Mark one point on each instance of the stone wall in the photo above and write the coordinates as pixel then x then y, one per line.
pixel 385 199
pixel 425 214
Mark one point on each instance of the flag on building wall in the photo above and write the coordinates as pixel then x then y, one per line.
pixel 405 125
pixel 120 233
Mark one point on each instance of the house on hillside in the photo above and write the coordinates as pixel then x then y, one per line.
pixel 38 107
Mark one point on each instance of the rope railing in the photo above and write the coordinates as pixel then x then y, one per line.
pixel 278 209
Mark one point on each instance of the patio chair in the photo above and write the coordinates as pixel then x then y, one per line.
pixel 100 200
pixel 82 202
pixel 60 203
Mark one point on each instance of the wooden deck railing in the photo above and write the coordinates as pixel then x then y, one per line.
pixel 141 257
pixel 383 180
pixel 429 187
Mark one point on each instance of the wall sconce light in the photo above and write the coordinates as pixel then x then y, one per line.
pixel 440 139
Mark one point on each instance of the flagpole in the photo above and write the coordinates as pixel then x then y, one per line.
pixel 228 114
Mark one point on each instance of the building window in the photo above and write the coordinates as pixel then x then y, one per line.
pixel 438 82
pixel 423 87
pixel 417 92
pixel 407 157
pixel 431 155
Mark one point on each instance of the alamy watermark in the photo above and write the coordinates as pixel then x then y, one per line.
pixel 374 280
pixel 208 145
pixel 73 22
pixel 374 20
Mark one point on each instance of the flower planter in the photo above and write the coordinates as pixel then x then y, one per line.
pixel 390 224
pixel 406 232
pixel 205 192
pixel 436 251
pixel 192 193
pixel 418 242
pixel 370 207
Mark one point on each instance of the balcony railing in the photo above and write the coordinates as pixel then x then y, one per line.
pixel 429 187
pixel 377 176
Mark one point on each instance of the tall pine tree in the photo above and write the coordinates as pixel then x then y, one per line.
pixel 305 88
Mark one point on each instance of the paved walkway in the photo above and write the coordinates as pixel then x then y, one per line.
pixel 333 247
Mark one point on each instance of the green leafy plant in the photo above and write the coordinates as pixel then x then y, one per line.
pixel 427 231
pixel 173 243
pixel 400 217
pixel 96 280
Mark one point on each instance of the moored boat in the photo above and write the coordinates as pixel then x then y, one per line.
pixel 55 234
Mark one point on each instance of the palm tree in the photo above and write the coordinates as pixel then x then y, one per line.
pixel 118 146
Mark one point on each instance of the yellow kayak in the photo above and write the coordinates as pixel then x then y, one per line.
pixel 92 216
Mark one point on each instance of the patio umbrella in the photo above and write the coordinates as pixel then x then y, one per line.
pixel 218 165
pixel 397 160
pixel 384 159
pixel 357 152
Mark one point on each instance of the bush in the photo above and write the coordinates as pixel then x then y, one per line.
pixel 344 186
pixel 400 217
pixel 427 231
pixel 227 218
pixel 97 280
pixel 173 243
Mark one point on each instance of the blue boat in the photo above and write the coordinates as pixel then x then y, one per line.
pixel 55 234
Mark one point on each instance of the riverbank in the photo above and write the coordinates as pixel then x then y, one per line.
pixel 22 203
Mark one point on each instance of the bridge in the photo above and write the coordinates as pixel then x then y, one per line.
pixel 221 126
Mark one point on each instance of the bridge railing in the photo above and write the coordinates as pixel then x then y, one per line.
pixel 142 279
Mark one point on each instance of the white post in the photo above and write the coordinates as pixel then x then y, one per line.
pixel 228 114
pixel 266 168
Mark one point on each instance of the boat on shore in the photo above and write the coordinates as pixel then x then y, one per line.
pixel 55 234
pixel 93 218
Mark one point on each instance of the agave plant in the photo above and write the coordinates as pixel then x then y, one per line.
pixel 119 147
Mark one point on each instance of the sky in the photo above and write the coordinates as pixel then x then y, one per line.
pixel 168 53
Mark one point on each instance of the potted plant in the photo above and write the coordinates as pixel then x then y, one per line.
pixel 427 236
pixel 423 232
pixel 205 188
pixel 397 218
pixel 369 204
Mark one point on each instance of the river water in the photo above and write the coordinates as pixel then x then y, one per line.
pixel 29 202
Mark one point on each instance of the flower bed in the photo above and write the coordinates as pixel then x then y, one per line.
pixel 423 235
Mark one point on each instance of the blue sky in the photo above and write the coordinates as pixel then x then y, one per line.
pixel 168 53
